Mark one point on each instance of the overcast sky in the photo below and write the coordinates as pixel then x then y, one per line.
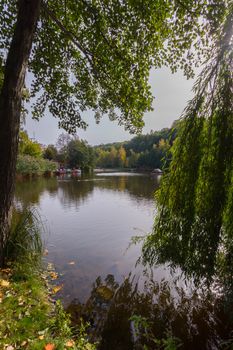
pixel 171 92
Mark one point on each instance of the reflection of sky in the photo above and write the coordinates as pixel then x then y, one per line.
pixel 91 226
pixel 94 232
pixel 118 174
pixel 91 221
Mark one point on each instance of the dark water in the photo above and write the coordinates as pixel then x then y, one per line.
pixel 90 222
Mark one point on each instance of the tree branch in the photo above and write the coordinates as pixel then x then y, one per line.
pixel 71 35
pixel 75 41
pixel 111 46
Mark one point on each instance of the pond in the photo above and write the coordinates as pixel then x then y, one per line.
pixel 89 223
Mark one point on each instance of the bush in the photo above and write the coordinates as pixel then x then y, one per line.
pixel 27 165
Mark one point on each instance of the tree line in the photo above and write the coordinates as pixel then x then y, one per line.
pixel 69 152
pixel 144 152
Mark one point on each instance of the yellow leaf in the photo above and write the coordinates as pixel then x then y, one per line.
pixel 49 346
pixel 4 283
pixel 70 343
pixel 57 288
pixel 53 275
pixel 41 337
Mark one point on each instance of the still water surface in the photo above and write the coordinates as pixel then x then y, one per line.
pixel 89 224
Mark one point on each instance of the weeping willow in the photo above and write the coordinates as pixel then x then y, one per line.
pixel 194 224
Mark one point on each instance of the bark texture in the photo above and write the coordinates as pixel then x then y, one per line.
pixel 10 108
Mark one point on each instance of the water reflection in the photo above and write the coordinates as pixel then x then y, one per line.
pixel 74 193
pixel 138 186
pixel 197 318
pixel 91 221
pixel 29 191
pixel 72 190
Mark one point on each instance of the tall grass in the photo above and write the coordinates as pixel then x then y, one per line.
pixel 28 318
pixel 25 243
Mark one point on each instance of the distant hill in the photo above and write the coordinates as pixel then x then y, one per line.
pixel 142 152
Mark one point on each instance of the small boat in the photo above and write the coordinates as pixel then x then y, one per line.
pixel 64 171
pixel 76 171
pixel 157 171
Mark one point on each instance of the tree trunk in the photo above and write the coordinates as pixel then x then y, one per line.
pixel 10 108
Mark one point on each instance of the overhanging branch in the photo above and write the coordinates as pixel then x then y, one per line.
pixel 73 38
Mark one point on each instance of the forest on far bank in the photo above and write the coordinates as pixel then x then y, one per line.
pixel 144 152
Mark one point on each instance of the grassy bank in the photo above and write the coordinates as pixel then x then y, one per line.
pixel 27 165
pixel 30 318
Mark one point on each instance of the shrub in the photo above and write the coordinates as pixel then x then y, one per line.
pixel 27 165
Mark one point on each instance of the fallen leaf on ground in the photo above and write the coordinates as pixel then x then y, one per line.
pixel 49 346
pixel 53 275
pixel 71 263
pixel 4 283
pixel 57 288
pixel 10 347
pixel 24 343
pixel 70 343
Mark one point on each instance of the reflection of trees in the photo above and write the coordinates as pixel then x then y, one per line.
pixel 201 320
pixel 137 186
pixel 73 192
pixel 198 317
pixel 29 191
